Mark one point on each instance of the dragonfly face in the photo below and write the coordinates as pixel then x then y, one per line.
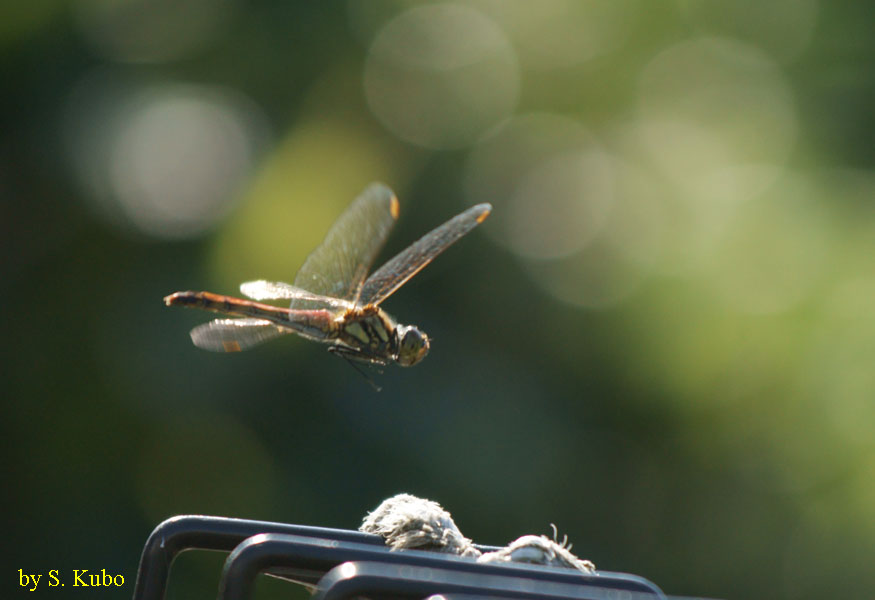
pixel 332 300
pixel 412 346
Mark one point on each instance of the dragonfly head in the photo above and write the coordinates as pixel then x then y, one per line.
pixel 412 345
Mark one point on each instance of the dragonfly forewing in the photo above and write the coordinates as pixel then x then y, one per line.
pixel 409 262
pixel 338 266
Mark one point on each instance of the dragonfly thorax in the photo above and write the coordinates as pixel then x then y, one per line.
pixel 375 337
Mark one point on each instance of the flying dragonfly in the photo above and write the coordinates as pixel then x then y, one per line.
pixel 332 300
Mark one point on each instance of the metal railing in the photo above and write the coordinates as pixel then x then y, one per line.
pixel 338 564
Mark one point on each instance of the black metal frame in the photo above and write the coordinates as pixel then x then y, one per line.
pixel 341 563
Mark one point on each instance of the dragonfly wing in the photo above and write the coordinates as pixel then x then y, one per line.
pixel 338 266
pixel 233 335
pixel 409 262
pixel 277 290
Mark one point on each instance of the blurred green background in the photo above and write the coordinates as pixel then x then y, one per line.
pixel 662 340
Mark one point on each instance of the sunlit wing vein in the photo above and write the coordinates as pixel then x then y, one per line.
pixel 338 266
pixel 234 335
pixel 277 290
pixel 408 263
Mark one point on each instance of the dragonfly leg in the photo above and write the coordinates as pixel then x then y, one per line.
pixel 355 358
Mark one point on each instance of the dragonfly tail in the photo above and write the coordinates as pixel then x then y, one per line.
pixel 228 305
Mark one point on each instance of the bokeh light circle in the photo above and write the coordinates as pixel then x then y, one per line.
pixel 717 117
pixel 640 222
pixel 555 34
pixel 598 277
pixel 773 250
pixel 550 181
pixel 560 204
pixel 764 24
pixel 440 76
pixel 164 160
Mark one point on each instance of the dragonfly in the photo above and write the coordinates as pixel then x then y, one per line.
pixel 333 301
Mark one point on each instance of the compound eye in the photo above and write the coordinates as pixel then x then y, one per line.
pixel 412 338
pixel 413 346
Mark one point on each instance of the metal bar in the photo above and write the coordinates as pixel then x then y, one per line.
pixel 391 580
pixel 465 597
pixel 190 532
pixel 307 559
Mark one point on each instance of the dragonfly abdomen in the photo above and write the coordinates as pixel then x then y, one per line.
pixel 227 304
pixel 317 325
